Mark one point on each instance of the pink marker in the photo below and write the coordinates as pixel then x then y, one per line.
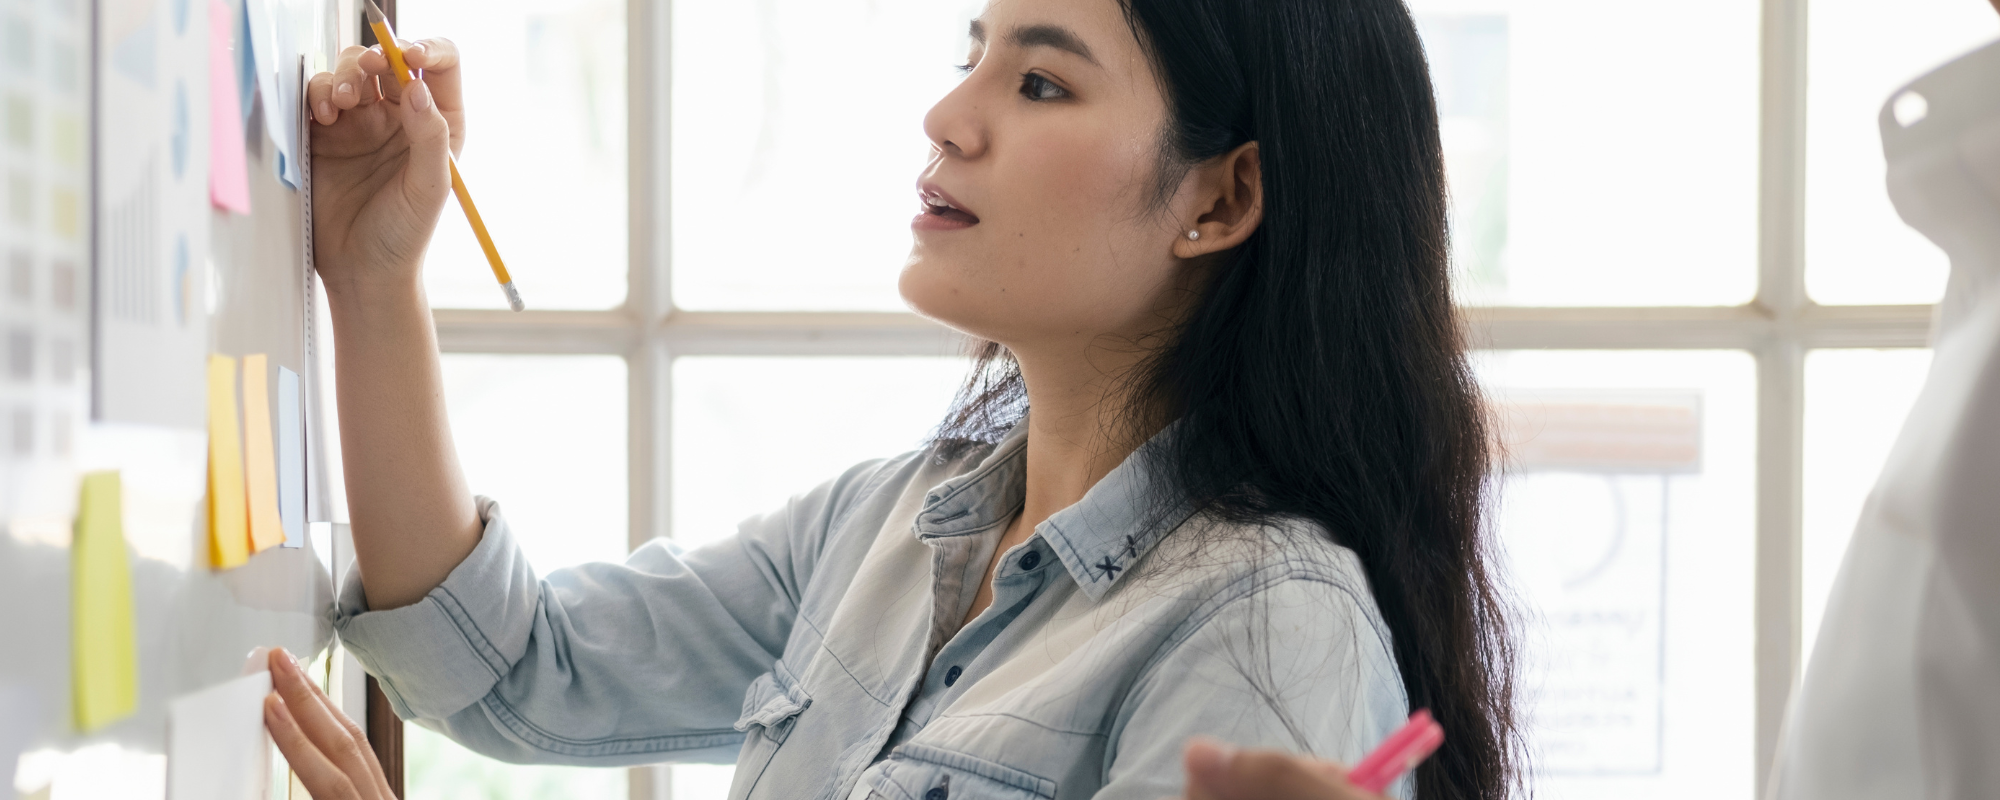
pixel 1400 753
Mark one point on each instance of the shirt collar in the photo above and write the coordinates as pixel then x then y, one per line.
pixel 1098 539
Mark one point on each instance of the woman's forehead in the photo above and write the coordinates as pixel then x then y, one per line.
pixel 1099 26
pixel 1097 32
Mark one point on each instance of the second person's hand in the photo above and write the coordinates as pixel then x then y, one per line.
pixel 1216 771
pixel 380 153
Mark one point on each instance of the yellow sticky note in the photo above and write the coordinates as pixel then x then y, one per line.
pixel 104 653
pixel 228 510
pixel 267 528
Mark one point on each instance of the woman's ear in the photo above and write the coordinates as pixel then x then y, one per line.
pixel 1229 202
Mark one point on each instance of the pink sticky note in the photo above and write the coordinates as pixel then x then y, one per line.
pixel 228 176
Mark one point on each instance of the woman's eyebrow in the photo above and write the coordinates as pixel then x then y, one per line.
pixel 1041 35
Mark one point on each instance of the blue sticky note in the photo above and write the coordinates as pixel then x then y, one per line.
pixel 291 441
pixel 246 64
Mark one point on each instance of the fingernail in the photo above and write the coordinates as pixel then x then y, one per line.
pixel 345 90
pixel 325 110
pixel 292 658
pixel 420 96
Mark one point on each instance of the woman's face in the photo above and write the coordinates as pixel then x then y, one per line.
pixel 1037 227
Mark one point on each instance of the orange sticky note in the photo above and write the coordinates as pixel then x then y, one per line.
pixel 104 650
pixel 228 510
pixel 267 527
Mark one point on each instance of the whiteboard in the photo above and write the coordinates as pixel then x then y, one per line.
pixel 102 233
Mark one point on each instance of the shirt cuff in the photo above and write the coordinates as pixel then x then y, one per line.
pixel 445 652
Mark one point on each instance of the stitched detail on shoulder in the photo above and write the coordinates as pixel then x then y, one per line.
pixel 541 739
pixel 474 637
pixel 1237 591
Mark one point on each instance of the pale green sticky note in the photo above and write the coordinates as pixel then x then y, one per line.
pixel 104 657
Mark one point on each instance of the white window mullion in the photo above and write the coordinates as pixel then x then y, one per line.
pixel 649 297
pixel 1781 369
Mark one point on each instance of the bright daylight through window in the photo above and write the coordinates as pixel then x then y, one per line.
pixel 1641 249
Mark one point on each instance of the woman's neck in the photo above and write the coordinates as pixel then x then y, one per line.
pixel 1080 428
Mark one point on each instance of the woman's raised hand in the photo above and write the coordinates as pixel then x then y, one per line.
pixel 380 173
pixel 326 750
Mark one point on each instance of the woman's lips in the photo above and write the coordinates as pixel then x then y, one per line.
pixel 940 212
pixel 945 220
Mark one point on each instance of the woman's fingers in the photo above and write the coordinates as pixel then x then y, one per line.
pixel 319 99
pixel 321 778
pixel 353 729
pixel 322 726
pixel 438 58
pixel 354 732
pixel 352 86
pixel 428 174
pixel 376 64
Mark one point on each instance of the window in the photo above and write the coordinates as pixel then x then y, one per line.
pixel 1675 263
pixel 546 436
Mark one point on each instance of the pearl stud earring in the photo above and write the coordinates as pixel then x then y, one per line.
pixel 1194 236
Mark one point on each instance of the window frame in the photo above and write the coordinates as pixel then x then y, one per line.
pixel 1777 328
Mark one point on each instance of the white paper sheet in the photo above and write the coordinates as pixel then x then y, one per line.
pixel 19 716
pixel 217 748
pixel 152 228
pixel 291 441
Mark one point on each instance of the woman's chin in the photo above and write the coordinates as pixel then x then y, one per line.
pixel 945 301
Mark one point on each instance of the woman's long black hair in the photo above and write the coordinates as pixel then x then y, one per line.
pixel 1323 373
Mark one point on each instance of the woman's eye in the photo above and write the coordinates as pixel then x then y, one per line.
pixel 1036 87
pixel 964 69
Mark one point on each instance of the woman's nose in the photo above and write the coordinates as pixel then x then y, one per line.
pixel 956 125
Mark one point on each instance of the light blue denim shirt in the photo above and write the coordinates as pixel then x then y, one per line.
pixel 820 647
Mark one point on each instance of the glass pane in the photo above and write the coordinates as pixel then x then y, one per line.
pixel 702 781
pixel 1857 249
pixel 1627 518
pixel 1855 404
pixel 785 110
pixel 546 436
pixel 544 150
pixel 823 414
pixel 751 432
pixel 1632 182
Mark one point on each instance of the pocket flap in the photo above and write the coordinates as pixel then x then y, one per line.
pixel 917 770
pixel 769 704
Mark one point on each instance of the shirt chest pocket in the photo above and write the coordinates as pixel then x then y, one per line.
pixel 771 708
pixel 928 772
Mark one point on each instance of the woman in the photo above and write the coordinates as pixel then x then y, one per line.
pixel 1205 243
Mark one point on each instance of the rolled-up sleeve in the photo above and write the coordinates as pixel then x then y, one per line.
pixel 602 664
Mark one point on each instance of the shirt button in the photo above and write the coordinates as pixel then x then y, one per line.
pixel 950 677
pixel 937 793
pixel 1031 560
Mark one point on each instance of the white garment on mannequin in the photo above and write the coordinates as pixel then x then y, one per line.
pixel 1901 697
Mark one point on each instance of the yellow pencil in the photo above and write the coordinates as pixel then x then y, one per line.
pixel 380 23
